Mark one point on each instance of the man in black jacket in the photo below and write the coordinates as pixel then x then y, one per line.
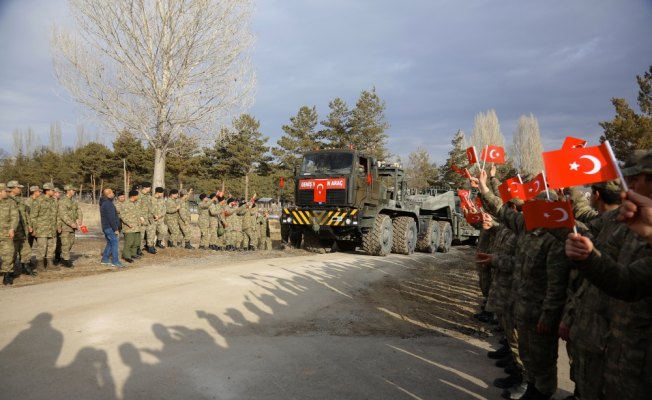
pixel 111 229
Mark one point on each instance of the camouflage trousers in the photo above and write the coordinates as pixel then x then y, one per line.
pixel 265 243
pixel 148 234
pixel 67 240
pixel 173 228
pixel 7 252
pixel 45 247
pixel 249 238
pixel 23 250
pixel 212 231
pixel 184 227
pixel 234 238
pixel 484 276
pixel 506 320
pixel 539 355
pixel 160 232
pixel 205 234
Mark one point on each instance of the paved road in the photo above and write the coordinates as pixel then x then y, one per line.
pixel 207 331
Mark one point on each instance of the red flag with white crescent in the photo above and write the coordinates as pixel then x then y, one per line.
pixel 472 155
pixel 579 166
pixel 532 188
pixel 548 214
pixel 573 143
pixel 511 188
pixel 493 154
pixel 465 200
pixel 473 218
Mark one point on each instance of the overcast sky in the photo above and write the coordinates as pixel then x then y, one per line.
pixel 436 64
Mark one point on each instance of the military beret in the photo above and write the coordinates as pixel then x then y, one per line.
pixel 120 193
pixel 159 190
pixel 14 184
pixel 174 191
pixel 133 193
pixel 640 162
pixel 146 185
pixel 210 196
pixel 202 196
pixel 48 186
pixel 34 189
pixel 68 187
pixel 610 186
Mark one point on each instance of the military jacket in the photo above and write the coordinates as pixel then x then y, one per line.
pixel 120 205
pixel 158 207
pixel 43 216
pixel 204 214
pixel 130 215
pixel 9 217
pixel 184 211
pixel 69 214
pixel 248 219
pixel 233 221
pixel 22 229
pixel 502 261
pixel 146 202
pixel 171 211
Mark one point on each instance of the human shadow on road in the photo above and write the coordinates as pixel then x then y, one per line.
pixel 28 367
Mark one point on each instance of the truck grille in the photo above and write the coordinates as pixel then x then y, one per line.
pixel 333 197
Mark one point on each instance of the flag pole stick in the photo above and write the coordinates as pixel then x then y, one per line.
pixel 620 173
pixel 484 159
pixel 519 178
pixel 543 173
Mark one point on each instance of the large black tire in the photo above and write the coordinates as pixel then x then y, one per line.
pixel 345 245
pixel 430 241
pixel 295 239
pixel 378 241
pixel 405 235
pixel 445 237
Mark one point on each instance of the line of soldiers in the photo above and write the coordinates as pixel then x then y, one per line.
pixel 42 225
pixel 591 288
pixel 165 221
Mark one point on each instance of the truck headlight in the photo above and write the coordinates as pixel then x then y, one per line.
pixel 347 221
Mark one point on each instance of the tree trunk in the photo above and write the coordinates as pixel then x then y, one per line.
pixel 246 187
pixel 93 185
pixel 159 168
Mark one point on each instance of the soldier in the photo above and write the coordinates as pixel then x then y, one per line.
pixel 148 229
pixel 185 218
pixel 21 244
pixel 70 218
pixel 159 217
pixel 131 218
pixel 9 220
pixel 34 193
pixel 542 270
pixel 172 218
pixel 43 220
pixel 232 223
pixel 57 249
pixel 485 243
pixel 250 237
pixel 120 201
pixel 204 221
pixel 217 222
pixel 263 230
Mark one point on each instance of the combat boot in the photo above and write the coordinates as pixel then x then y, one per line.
pixel 509 381
pixel 170 244
pixel 8 279
pixel 505 361
pixel 500 353
pixel 27 270
pixel 252 248
pixel 188 246
pixel 151 250
pixel 159 244
pixel 219 248
pixel 517 392
pixel 139 252
pixel 67 263
pixel 532 393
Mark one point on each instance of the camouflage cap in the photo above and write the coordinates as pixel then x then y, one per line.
pixel 57 190
pixel 516 201
pixel 48 186
pixel 68 187
pixel 640 162
pixel 610 186
pixel 14 184
pixel 34 189
pixel 544 195
pixel 3 187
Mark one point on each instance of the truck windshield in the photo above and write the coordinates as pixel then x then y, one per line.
pixel 327 163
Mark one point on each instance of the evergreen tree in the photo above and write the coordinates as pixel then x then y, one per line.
pixel 420 172
pixel 629 131
pixel 368 125
pixel 456 156
pixel 300 136
pixel 338 128
pixel 139 160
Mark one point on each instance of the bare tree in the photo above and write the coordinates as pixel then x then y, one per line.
pixel 31 142
pixel 55 138
pixel 486 131
pixel 527 148
pixel 18 146
pixel 81 137
pixel 158 68
pixel 420 172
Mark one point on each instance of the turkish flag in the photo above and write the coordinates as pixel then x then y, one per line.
pixel 532 188
pixel 573 143
pixel 494 154
pixel 458 170
pixel 473 218
pixel 465 199
pixel 319 194
pixel 472 155
pixel 478 202
pixel 579 166
pixel 548 214
pixel 510 189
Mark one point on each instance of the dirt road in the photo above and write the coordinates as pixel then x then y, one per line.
pixel 276 326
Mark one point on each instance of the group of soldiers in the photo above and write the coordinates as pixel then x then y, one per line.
pixel 590 287
pixel 37 232
pixel 162 221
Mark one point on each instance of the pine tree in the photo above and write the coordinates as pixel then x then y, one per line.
pixel 368 125
pixel 629 131
pixel 420 172
pixel 300 136
pixel 338 130
pixel 456 156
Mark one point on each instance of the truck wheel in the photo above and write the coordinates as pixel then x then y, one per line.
pixel 378 241
pixel 446 236
pixel 405 235
pixel 430 242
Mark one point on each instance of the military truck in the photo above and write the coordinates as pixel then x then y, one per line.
pixel 346 199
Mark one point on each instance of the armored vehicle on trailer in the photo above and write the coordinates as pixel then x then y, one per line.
pixel 346 199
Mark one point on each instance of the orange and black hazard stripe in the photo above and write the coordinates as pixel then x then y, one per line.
pixel 322 217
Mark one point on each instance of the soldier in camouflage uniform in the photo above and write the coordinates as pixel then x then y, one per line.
pixel 21 244
pixel 185 218
pixel 70 218
pixel 34 193
pixel 250 237
pixel 43 221
pixel 263 231
pixel 57 249
pixel 9 220
pixel 485 243
pixel 218 219
pixel 628 348
pixel 132 219
pixel 203 221
pixel 172 208
pixel 159 208
pixel 233 225
pixel 543 271
pixel 148 229
pixel 120 201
